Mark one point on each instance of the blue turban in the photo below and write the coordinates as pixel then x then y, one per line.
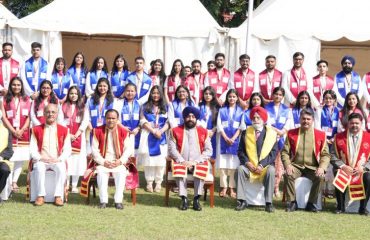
pixel 349 58
pixel 191 109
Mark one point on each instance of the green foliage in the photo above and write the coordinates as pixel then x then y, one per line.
pixel 22 8
pixel 223 10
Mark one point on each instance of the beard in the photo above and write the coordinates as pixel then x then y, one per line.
pixel 347 69
pixel 190 124
pixel 257 126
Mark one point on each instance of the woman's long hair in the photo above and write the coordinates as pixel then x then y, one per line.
pixel 80 101
pixel 213 106
pixel 346 108
pixel 60 60
pixel 182 72
pixel 260 97
pixel 148 107
pixel 125 64
pixel 188 98
pixel 10 95
pixel 95 64
pixel 83 64
pixel 298 105
pixel 162 73
pixel 96 95
pixel 52 98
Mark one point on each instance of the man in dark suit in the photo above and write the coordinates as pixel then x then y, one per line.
pixel 257 153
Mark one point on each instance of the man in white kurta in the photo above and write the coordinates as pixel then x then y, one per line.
pixel 50 147
pixel 112 157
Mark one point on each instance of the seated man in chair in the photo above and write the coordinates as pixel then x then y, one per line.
pixel 6 152
pixel 350 159
pixel 111 150
pixel 50 147
pixel 257 152
pixel 190 146
pixel 305 153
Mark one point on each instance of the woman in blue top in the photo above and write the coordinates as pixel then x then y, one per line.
pixel 255 100
pixel 118 75
pixel 303 101
pixel 153 143
pixel 99 69
pixel 230 123
pixel 181 101
pixel 78 72
pixel 208 115
pixel 60 79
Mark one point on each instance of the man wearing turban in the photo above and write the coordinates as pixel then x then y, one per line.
pixel 190 148
pixel 257 152
pixel 347 80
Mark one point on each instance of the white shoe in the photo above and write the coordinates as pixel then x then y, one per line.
pixel 74 190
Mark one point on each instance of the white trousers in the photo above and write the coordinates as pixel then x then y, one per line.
pixel 224 173
pixel 17 170
pixel 154 174
pixel 119 175
pixel 60 177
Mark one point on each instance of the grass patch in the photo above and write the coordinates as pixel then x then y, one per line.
pixel 149 219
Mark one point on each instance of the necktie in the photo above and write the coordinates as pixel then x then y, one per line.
pixel 258 133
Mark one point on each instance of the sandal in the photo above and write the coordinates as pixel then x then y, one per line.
pixel 232 193
pixel 223 192
pixel 15 188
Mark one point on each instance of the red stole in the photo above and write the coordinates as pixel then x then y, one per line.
pixel 190 82
pixel 317 87
pixel 319 139
pixel 102 137
pixel 297 85
pixel 73 124
pixel 239 83
pixel 220 85
pixel 275 82
pixel 25 107
pixel 62 133
pixel 171 87
pixel 14 65
pixel 178 134
pixel 155 81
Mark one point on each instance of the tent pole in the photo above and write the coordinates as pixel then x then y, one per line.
pixel 248 45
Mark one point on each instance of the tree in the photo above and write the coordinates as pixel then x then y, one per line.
pixel 228 13
pixel 22 8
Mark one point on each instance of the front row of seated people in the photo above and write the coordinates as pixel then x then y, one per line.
pixel 305 153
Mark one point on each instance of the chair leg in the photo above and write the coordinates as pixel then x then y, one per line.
pixel 167 196
pixel 212 195
pixel 205 193
pixel 133 196
pixel 88 194
pixel 94 191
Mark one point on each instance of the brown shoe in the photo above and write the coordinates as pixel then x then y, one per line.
pixel 39 201
pixel 58 201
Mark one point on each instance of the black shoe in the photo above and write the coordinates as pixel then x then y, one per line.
pixel 118 206
pixel 184 204
pixel 196 204
pixel 269 208
pixel 102 205
pixel 363 212
pixel 310 207
pixel 291 207
pixel 242 205
pixel 338 211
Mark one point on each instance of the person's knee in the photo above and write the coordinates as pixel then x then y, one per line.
pixel 60 167
pixel 39 167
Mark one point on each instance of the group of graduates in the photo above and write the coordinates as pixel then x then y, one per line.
pixel 254 124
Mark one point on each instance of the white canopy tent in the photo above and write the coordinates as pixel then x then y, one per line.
pixel 5 16
pixel 162 23
pixel 300 26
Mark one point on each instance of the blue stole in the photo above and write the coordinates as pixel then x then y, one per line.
pixel 95 114
pixel 94 78
pixel 204 116
pixel 66 82
pixel 118 83
pixel 230 126
pixel 329 122
pixel 247 118
pixel 153 142
pixel 131 119
pixel 43 67
pixel 146 83
pixel 177 109
pixel 279 119
pixel 79 82
pixel 341 83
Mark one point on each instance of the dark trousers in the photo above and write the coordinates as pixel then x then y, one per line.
pixel 4 173
pixel 341 196
pixel 289 182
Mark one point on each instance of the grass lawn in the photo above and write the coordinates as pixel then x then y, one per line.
pixel 149 219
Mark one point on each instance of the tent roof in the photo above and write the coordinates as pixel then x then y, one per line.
pixel 176 18
pixel 326 20
pixel 5 15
